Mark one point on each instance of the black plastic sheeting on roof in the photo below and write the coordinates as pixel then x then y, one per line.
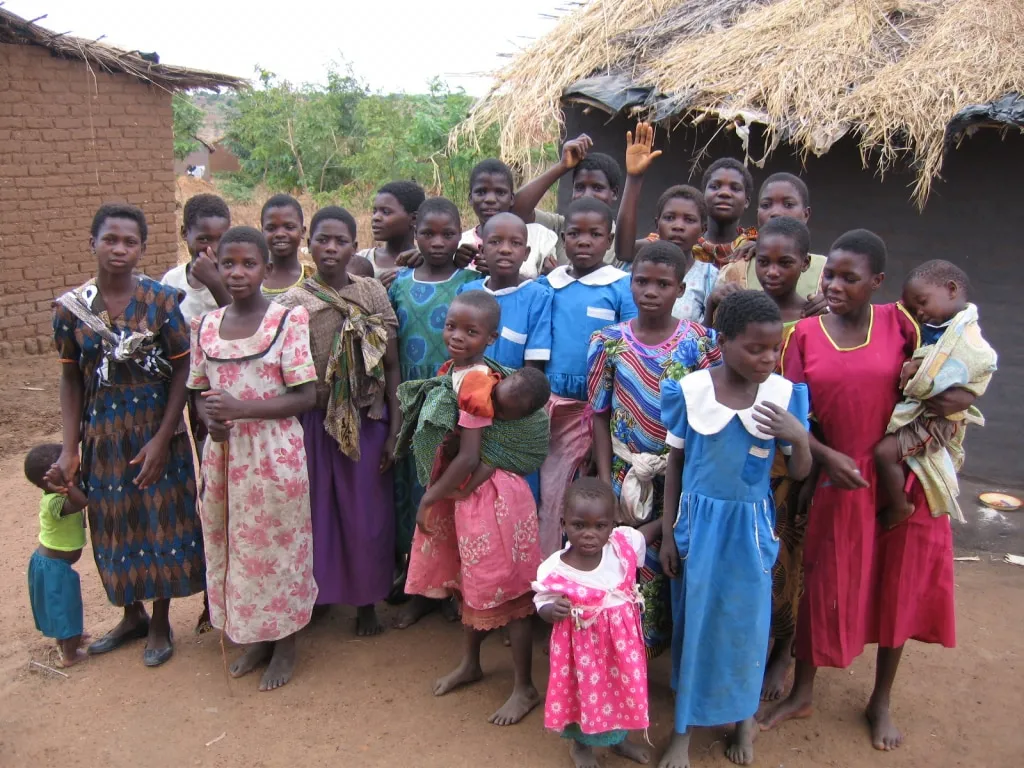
pixel 1009 110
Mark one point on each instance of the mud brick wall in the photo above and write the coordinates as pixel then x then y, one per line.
pixel 71 139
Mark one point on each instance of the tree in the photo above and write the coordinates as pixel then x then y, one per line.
pixel 187 120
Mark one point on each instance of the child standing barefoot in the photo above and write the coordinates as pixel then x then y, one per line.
pixel 483 547
pixel 54 588
pixel 720 547
pixel 598 685
pixel 251 360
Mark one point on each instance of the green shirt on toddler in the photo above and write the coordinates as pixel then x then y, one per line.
pixel 64 533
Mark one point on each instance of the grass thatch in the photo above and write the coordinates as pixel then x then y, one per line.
pixel 892 72
pixel 18 31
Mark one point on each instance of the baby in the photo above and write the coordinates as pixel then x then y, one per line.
pixel 54 588
pixel 953 355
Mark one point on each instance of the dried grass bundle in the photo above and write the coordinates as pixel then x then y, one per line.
pixel 893 72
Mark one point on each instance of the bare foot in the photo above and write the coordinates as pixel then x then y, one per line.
pixel 450 610
pixel 282 665
pixel 582 755
pixel 253 656
pixel 516 707
pixel 464 674
pixel 884 733
pixel 67 659
pixel 898 511
pixel 367 623
pixel 793 707
pixel 414 610
pixel 740 748
pixel 638 753
pixel 775 675
pixel 678 753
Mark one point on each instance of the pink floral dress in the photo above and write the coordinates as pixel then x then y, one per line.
pixel 255 492
pixel 598 681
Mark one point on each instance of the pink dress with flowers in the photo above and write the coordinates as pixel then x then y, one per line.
pixel 598 679
pixel 255 492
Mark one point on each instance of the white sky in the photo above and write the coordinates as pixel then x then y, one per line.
pixel 394 45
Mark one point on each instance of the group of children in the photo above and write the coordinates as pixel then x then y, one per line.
pixel 507 415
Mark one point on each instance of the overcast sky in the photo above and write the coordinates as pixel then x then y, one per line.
pixel 394 45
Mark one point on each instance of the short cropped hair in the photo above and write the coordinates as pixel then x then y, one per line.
pixel 795 181
pixel 684 192
pixel 119 211
pixel 39 460
pixel 439 205
pixel 591 489
pixel 785 226
pixel 606 164
pixel 590 205
pixel 731 163
pixel 664 252
pixel 282 201
pixel 491 166
pixel 740 309
pixel 333 213
pixel 485 303
pixel 867 244
pixel 204 207
pixel 245 235
pixel 409 194
pixel 531 387
pixel 940 272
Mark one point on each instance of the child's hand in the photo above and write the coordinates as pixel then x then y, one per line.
pixel 223 407
pixel 465 254
pixel 556 611
pixel 387 277
pixel 423 517
pixel 776 421
pixel 669 557
pixel 843 472
pixel 909 371
pixel 745 252
pixel 638 150
pixel 204 268
pixel 54 480
pixel 387 456
pixel 816 305
pixel 574 151
pixel 218 431
pixel 411 258
pixel 550 265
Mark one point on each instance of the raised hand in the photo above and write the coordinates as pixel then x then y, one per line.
pixel 640 150
pixel 574 151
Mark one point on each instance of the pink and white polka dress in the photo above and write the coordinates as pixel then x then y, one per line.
pixel 598 675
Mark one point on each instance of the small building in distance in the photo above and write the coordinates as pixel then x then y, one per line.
pixel 81 123
pixel 903 117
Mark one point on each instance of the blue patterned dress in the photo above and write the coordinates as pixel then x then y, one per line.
pixel 421 309
pixel 148 544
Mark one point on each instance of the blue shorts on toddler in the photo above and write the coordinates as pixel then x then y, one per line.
pixel 55 591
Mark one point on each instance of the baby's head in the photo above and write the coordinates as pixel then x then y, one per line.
pixel 588 515
pixel 936 291
pixel 361 266
pixel 516 397
pixel 38 462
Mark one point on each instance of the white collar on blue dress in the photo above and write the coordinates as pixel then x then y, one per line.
pixel 503 291
pixel 707 416
pixel 605 275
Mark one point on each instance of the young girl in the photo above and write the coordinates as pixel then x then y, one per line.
pixel 123 346
pixel 782 195
pixel 251 362
pixel 727 186
pixel 484 546
pixel 284 228
pixel 205 219
pixel 680 218
pixel 626 362
pixel 724 425
pixel 394 224
pixel 589 295
pixel 420 297
pixel 350 434
pixel 491 193
pixel 862 583
pixel 597 690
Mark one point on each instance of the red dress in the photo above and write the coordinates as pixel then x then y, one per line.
pixel 863 584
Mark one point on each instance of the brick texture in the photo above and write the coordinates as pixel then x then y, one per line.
pixel 72 139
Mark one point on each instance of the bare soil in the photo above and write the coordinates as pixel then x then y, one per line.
pixel 367 702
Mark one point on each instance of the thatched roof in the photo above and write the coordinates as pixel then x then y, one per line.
pixel 16 30
pixel 894 73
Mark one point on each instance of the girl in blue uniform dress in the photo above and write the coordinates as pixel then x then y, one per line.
pixel 724 425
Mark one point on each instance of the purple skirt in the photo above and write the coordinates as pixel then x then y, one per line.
pixel 353 514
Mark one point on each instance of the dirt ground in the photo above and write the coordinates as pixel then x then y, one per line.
pixel 368 702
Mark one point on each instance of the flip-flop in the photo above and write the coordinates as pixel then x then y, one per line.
pixel 109 642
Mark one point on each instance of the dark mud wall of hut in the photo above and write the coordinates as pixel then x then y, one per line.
pixel 972 219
